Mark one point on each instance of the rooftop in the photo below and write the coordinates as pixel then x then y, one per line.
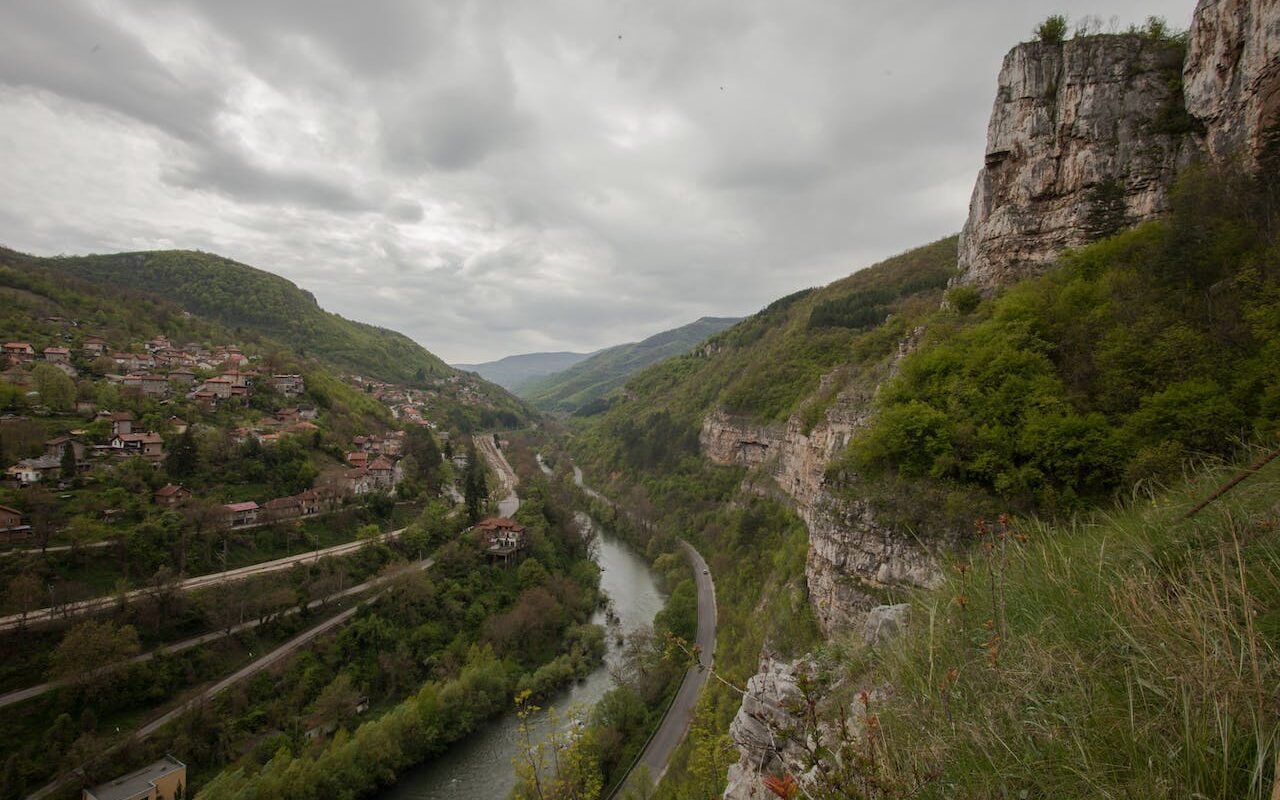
pixel 136 783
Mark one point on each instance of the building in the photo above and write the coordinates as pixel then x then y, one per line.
pixel 183 376
pixel 288 385
pixel 121 421
pixel 172 496
pixel 33 470
pixel 242 515
pixel 149 385
pixel 94 345
pixel 19 352
pixel 57 355
pixel 501 537
pixel 54 448
pixel 12 529
pixel 178 425
pixel 283 509
pixel 383 472
pixel 165 779
pixel 149 445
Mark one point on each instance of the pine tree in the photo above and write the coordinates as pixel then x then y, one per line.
pixel 68 461
pixel 184 457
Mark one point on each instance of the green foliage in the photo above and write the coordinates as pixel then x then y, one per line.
pixel 587 383
pixel 57 391
pixel 1122 655
pixel 1152 343
pixel 964 299
pixel 1053 30
pixel 247 298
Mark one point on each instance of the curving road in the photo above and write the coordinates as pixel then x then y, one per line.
pixel 508 501
pixel 99 603
pixel 656 755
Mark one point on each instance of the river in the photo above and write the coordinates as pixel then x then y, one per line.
pixel 480 766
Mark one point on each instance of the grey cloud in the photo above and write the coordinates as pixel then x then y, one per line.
pixel 412 161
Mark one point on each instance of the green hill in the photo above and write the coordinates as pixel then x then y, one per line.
pixel 247 298
pixel 582 387
pixel 41 294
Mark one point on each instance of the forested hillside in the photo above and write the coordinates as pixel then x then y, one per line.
pixel 771 364
pixel 45 294
pixel 584 387
pixel 250 299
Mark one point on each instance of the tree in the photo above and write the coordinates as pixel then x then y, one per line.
pixel 57 391
pixel 23 595
pixel 184 455
pixel 475 487
pixel 92 648
pixel 337 700
pixel 1053 30
pixel 68 467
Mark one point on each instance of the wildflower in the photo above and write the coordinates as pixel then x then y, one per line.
pixel 962 601
pixel 962 568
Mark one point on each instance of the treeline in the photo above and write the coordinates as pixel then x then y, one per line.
pixel 1137 352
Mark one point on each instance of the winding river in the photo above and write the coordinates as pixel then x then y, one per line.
pixel 480 766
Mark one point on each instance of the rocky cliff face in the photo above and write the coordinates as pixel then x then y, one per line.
pixel 1075 143
pixel 1231 77
pixel 851 551
pixel 1092 132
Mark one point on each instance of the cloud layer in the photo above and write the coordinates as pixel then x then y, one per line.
pixel 502 177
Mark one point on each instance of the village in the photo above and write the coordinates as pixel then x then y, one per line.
pixel 162 394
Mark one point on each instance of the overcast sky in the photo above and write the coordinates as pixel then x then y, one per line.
pixel 504 177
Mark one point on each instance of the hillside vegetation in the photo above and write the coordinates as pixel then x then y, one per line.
pixel 1130 653
pixel 1137 352
pixel 583 387
pixel 246 298
pixel 771 364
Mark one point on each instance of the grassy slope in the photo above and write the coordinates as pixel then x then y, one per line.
pixel 1128 654
pixel 244 297
pixel 586 383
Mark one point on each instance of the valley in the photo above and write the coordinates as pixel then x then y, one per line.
pixel 994 516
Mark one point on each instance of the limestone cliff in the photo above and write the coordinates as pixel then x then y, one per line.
pixel 851 551
pixel 1089 134
pixel 1232 72
pixel 1075 142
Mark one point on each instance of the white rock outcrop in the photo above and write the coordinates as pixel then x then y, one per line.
pixel 1068 119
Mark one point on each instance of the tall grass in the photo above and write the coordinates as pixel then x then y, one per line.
pixel 1129 654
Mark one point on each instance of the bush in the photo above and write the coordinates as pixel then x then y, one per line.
pixel 1053 30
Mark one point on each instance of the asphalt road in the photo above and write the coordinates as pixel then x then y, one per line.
pixel 186 644
pixel 257 666
pixel 657 754
pixel 508 500
pixel 99 603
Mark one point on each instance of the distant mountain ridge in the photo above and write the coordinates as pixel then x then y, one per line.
pixel 239 295
pixel 513 372
pixel 584 385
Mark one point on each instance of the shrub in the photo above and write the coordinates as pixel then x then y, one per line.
pixel 1053 30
